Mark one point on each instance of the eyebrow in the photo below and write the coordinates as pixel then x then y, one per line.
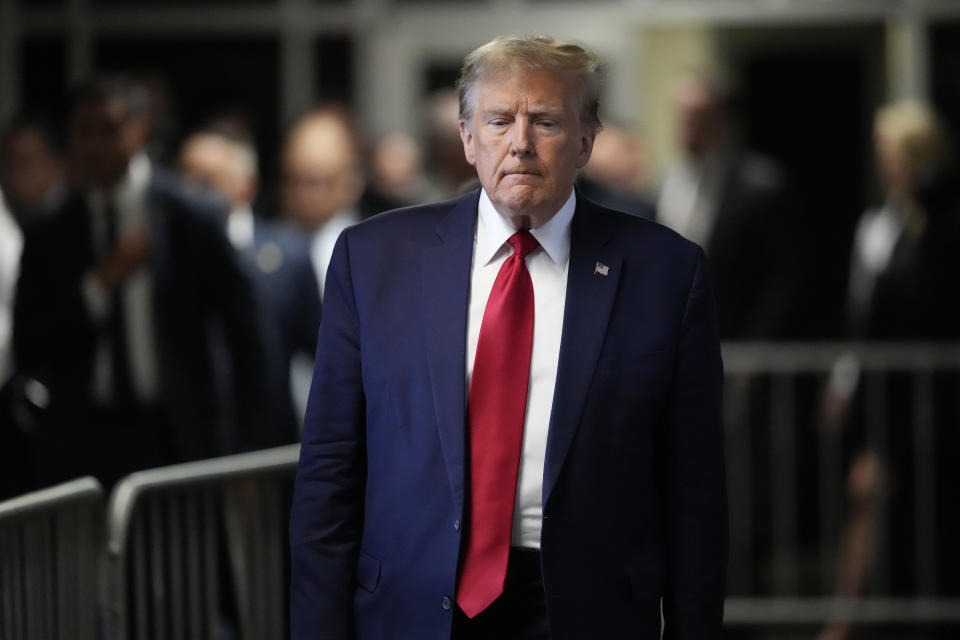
pixel 537 112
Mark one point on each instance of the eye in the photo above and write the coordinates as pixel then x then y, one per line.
pixel 498 122
pixel 547 124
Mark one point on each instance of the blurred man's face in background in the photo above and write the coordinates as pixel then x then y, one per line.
pixel 619 160
pixel 104 136
pixel 29 169
pixel 396 168
pixel 526 141
pixel 893 167
pixel 700 120
pixel 321 171
pixel 221 165
pixel 445 149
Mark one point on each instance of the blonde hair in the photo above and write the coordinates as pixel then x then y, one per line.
pixel 916 132
pixel 534 52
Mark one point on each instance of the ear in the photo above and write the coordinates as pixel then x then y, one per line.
pixel 466 136
pixel 587 137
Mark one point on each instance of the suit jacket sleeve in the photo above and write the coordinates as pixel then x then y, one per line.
pixel 326 519
pixel 236 307
pixel 696 494
pixel 51 323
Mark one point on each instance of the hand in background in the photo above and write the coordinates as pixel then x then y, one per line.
pixel 129 253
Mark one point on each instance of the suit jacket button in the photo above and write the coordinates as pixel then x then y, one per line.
pixel 456 525
pixel 445 603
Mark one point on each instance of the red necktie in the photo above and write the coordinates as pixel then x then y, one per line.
pixel 498 400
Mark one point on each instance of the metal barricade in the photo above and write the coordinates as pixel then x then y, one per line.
pixel 200 547
pixel 795 417
pixel 51 552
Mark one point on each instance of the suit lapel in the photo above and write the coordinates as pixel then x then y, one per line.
pixel 590 297
pixel 445 274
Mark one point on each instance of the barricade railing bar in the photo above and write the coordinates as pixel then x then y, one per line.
pixel 818 357
pixel 200 547
pixel 51 562
pixel 814 611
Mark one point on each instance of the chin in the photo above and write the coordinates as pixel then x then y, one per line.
pixel 523 195
pixel 521 204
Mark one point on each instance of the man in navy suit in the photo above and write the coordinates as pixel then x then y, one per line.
pixel 514 426
pixel 122 290
pixel 278 262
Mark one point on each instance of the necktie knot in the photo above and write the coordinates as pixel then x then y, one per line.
pixel 522 243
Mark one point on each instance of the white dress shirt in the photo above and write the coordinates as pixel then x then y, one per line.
pixel 129 198
pixel 878 232
pixel 324 239
pixel 548 268
pixel 690 197
pixel 11 246
pixel 240 226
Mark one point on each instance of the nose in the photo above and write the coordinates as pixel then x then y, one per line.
pixel 522 144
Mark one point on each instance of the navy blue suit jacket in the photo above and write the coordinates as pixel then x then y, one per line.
pixel 633 489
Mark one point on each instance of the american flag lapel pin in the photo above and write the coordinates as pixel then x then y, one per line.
pixel 602 269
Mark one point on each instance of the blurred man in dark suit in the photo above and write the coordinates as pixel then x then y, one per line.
pixel 277 260
pixel 323 180
pixel 735 204
pixel 120 291
pixel 31 183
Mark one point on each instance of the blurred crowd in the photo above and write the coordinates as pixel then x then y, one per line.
pixel 156 308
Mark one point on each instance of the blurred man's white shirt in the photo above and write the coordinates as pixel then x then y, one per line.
pixel 690 197
pixel 240 225
pixel 11 246
pixel 130 200
pixel 324 239
pixel 876 237
pixel 321 250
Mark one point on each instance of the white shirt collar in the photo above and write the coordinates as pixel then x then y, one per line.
pixel 240 227
pixel 130 193
pixel 493 230
pixel 340 221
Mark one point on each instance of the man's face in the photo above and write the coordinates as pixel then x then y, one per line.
pixel 320 174
pixel 216 163
pixel 700 120
pixel 28 169
pixel 103 139
pixel 895 167
pixel 525 139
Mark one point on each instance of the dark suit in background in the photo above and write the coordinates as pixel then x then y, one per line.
pixel 285 284
pixel 198 288
pixel 756 249
pixel 223 158
pixel 616 199
pixel 739 207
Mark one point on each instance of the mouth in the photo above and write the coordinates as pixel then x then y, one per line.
pixel 521 172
